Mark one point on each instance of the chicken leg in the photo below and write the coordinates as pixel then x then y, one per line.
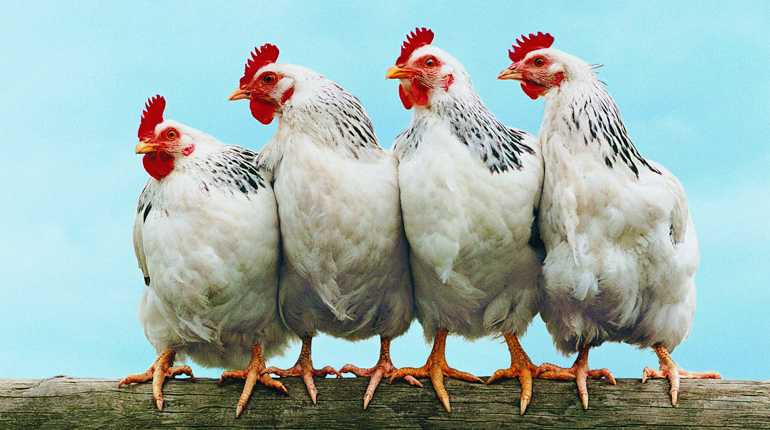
pixel 384 367
pixel 521 367
pixel 437 368
pixel 160 369
pixel 255 370
pixel 578 371
pixel 304 368
pixel 669 369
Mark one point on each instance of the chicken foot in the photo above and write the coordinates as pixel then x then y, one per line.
pixel 383 368
pixel 669 369
pixel 521 367
pixel 253 372
pixel 160 369
pixel 579 371
pixel 436 368
pixel 304 368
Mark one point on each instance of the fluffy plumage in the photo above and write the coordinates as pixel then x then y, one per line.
pixel 622 250
pixel 345 269
pixel 207 241
pixel 470 187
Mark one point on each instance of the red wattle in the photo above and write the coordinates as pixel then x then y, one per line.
pixel 420 92
pixel 532 90
pixel 263 112
pixel 405 100
pixel 158 164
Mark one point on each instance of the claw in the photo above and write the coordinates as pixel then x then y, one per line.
pixel 523 405
pixel 445 400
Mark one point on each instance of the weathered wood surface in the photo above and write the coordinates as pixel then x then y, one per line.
pixel 64 402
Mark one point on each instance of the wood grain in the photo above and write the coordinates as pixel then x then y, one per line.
pixel 64 402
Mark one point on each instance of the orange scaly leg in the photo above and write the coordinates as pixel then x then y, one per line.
pixel 384 367
pixel 304 368
pixel 160 369
pixel 437 368
pixel 669 369
pixel 578 371
pixel 521 367
pixel 253 372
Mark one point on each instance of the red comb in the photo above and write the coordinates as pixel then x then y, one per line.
pixel 417 38
pixel 260 58
pixel 152 116
pixel 529 44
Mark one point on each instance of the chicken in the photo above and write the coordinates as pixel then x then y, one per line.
pixel 470 187
pixel 345 270
pixel 621 247
pixel 207 240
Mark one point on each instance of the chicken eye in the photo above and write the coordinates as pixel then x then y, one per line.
pixel 171 134
pixel 430 62
pixel 538 62
pixel 269 78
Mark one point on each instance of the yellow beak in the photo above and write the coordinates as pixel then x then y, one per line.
pixel 239 94
pixel 510 73
pixel 145 146
pixel 396 72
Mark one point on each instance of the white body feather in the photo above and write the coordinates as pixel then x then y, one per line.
pixel 622 250
pixel 468 215
pixel 345 270
pixel 210 252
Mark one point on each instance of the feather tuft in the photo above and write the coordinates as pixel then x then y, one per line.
pixel 260 58
pixel 152 116
pixel 419 37
pixel 529 44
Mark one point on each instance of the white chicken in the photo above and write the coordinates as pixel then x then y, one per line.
pixel 621 247
pixel 346 269
pixel 207 240
pixel 470 187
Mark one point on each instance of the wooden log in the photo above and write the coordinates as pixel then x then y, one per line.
pixel 64 402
